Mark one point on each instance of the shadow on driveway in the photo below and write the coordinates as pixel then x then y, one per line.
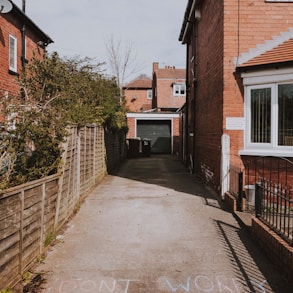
pixel 251 265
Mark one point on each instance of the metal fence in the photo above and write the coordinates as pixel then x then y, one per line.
pixel 274 206
pixel 267 185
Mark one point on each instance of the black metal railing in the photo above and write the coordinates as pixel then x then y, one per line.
pixel 274 206
pixel 267 184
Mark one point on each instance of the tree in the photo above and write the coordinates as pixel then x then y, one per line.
pixel 121 60
pixel 57 93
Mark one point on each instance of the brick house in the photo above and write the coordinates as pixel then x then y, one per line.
pixel 138 95
pixel 20 38
pixel 239 84
pixel 153 108
pixel 169 90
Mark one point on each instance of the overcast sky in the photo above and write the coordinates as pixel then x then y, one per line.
pixel 81 28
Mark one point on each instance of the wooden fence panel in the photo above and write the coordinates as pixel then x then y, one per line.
pixel 31 212
pixel 21 226
pixel 9 237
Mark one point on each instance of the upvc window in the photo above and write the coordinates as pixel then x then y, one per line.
pixel 149 94
pixel 12 53
pixel 179 89
pixel 269 116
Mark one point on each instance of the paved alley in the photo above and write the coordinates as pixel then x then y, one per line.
pixel 155 228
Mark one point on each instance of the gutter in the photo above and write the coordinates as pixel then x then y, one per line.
pixel 188 17
pixel 29 23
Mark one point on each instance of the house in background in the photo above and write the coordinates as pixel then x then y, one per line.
pixel 20 39
pixel 169 90
pixel 138 95
pixel 240 85
pixel 156 117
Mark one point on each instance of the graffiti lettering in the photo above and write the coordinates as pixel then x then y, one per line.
pixel 120 285
pixel 174 289
pixel 198 284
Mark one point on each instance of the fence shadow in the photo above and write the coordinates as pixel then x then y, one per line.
pixel 253 270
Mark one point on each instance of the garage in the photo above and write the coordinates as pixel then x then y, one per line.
pixel 159 132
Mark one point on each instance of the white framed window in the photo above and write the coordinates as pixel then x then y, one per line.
pixel 268 106
pixel 12 53
pixel 179 89
pixel 149 94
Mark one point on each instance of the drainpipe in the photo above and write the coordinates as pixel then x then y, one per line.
pixel 186 138
pixel 194 82
pixel 23 47
pixel 23 39
pixel 197 17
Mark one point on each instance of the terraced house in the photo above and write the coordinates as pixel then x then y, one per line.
pixel 240 85
pixel 239 111
pixel 20 39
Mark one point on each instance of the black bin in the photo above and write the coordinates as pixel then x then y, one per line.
pixel 146 147
pixel 133 147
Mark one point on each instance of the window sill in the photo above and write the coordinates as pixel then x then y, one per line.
pixel 12 72
pixel 265 152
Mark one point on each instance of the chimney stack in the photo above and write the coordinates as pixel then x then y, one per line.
pixel 155 66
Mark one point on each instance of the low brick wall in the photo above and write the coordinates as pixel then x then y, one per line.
pixel 277 249
pixel 230 202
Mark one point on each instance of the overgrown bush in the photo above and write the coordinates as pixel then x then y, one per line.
pixel 55 93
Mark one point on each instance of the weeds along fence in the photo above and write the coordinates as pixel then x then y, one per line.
pixel 30 214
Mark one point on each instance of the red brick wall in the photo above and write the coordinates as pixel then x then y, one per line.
pixel 9 24
pixel 165 97
pixel 258 22
pixel 131 127
pixel 207 106
pixel 176 136
pixel 141 103
pixel 274 246
pixel 220 36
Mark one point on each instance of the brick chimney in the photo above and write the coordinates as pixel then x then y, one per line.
pixel 155 66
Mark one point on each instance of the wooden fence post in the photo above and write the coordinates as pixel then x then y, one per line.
pixel 60 181
pixel 21 232
pixel 42 217
pixel 77 190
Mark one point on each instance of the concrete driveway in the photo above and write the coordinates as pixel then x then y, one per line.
pixel 153 227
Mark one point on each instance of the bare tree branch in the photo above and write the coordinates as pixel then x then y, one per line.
pixel 121 60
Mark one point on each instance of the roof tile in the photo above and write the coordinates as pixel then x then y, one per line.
pixel 280 54
pixel 143 83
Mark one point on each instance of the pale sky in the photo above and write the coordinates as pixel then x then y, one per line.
pixel 81 28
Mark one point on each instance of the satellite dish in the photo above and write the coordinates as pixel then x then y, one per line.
pixel 5 6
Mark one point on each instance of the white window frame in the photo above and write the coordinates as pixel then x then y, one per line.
pixel 177 88
pixel 13 54
pixel 149 94
pixel 258 80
